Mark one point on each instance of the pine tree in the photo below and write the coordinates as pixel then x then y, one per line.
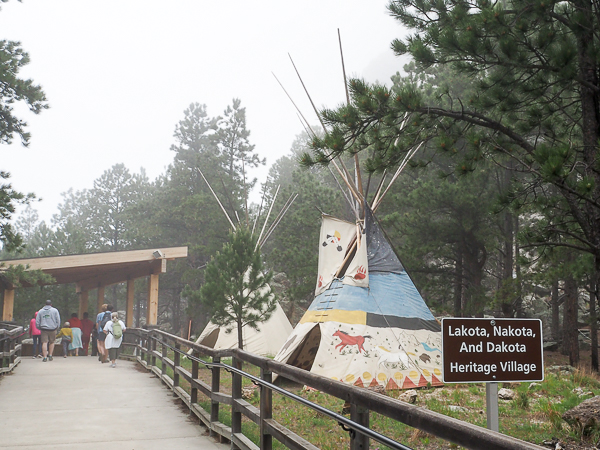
pixel 534 66
pixel 236 290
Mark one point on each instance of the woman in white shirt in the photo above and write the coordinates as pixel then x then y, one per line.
pixel 114 337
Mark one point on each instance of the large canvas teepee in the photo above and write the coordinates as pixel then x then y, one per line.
pixel 368 325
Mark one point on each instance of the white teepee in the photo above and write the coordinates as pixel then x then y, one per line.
pixel 273 332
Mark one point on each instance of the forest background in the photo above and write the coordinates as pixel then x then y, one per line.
pixel 478 237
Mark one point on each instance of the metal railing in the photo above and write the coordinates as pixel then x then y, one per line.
pixel 362 401
pixel 10 346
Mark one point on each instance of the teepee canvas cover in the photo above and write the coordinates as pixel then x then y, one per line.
pixel 371 327
pixel 271 335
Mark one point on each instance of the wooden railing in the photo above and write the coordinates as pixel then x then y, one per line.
pixel 153 348
pixel 10 346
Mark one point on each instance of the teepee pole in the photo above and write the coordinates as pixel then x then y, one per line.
pixel 343 191
pixel 379 187
pixel 308 95
pixel 262 199
pixel 347 177
pixel 217 198
pixel 407 158
pixel 277 218
pixel 357 176
pixel 295 106
pixel 281 216
pixel 267 218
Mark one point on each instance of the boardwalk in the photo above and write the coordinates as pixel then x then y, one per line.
pixel 79 403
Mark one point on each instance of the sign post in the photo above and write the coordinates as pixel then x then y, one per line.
pixel 492 351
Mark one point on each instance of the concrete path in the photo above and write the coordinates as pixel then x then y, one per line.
pixel 76 402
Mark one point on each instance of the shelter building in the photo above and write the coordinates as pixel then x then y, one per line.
pixel 96 271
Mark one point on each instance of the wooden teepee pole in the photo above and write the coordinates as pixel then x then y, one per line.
pixel 267 218
pixel 217 198
pixel 358 178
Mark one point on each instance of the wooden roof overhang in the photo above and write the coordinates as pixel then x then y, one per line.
pixel 93 270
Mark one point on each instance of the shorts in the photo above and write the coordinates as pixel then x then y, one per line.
pixel 101 336
pixel 48 336
pixel 113 353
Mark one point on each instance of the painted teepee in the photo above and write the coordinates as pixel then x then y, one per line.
pixel 368 325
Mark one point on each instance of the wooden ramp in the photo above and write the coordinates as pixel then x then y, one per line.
pixel 77 402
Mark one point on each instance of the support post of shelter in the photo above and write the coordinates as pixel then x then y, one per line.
pixel 83 301
pixel 129 307
pixel 100 298
pixel 152 310
pixel 9 304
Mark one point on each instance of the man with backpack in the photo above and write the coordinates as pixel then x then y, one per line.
pixel 103 317
pixel 114 336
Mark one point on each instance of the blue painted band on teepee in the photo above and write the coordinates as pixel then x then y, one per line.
pixel 388 294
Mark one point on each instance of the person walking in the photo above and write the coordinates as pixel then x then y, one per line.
pixel 101 319
pixel 35 334
pixel 66 332
pixel 48 322
pixel 114 337
pixel 86 330
pixel 76 344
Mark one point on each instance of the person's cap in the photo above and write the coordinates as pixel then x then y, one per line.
pixel 48 302
pixel 67 324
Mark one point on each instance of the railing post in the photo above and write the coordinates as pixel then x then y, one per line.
pixel 153 340
pixel 149 349
pixel 194 390
pixel 163 356
pixel 360 415
pixel 266 410
pixel 5 347
pixel 236 394
pixel 215 387
pixel 176 364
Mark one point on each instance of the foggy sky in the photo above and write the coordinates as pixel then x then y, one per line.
pixel 119 74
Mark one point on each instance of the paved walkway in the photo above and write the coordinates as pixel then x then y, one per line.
pixel 76 402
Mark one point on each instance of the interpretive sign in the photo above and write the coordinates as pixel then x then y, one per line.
pixel 492 350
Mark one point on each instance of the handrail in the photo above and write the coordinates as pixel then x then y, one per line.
pixel 346 424
pixel 361 400
pixel 10 347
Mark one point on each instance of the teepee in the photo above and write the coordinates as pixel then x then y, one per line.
pixel 265 341
pixel 273 332
pixel 368 324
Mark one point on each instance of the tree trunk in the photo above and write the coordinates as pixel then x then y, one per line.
pixel 475 256
pixel 593 330
pixel 594 316
pixel 240 335
pixel 570 328
pixel 458 284
pixel 508 261
pixel 555 326
pixel 519 291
